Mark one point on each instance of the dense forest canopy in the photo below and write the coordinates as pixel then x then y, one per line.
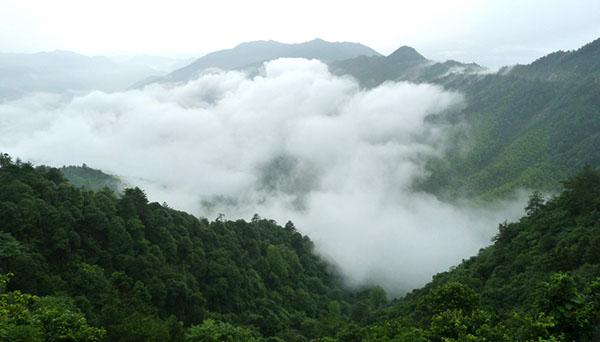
pixel 143 271
pixel 89 265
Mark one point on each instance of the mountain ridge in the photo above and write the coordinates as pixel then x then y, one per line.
pixel 63 71
pixel 404 64
pixel 527 126
pixel 256 52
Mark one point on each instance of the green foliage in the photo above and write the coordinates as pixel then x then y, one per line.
pixel 537 282
pixel 216 331
pixel 529 127
pixel 26 317
pixel 144 271
pixel 91 179
pixel 536 201
pixel 458 325
pixel 449 296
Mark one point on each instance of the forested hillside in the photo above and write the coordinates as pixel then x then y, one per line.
pixel 141 271
pixel 539 281
pixel 91 179
pixel 528 126
pixel 89 266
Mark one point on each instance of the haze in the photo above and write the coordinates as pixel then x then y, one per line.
pixel 491 33
pixel 292 143
pixel 287 138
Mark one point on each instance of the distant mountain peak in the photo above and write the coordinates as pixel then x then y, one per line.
pixel 252 54
pixel 406 53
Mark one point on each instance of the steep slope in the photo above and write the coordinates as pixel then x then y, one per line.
pixel 253 54
pixel 143 271
pixel 529 126
pixel 539 281
pixel 563 65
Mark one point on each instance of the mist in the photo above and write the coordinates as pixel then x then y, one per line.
pixel 291 143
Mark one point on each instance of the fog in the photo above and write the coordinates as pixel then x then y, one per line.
pixel 65 71
pixel 293 143
pixel 493 32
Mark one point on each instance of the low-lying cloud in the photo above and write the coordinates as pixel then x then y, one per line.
pixel 294 142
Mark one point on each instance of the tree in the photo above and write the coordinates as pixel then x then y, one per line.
pixel 217 331
pixel 449 296
pixel 536 201
pixel 576 314
pixel 5 160
pixel 26 317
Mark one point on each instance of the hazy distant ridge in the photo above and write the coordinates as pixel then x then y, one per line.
pixel 255 53
pixel 65 71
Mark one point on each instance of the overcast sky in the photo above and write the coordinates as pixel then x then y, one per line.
pixel 492 32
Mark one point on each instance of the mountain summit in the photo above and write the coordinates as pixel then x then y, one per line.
pixel 406 53
pixel 404 64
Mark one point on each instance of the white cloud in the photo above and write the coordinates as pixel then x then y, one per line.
pixel 293 143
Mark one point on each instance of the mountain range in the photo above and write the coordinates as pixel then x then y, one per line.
pixel 65 71
pixel 404 64
pixel 252 55
pixel 527 126
pixel 80 262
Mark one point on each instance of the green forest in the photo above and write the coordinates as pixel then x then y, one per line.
pixel 392 171
pixel 91 179
pixel 525 126
pixel 93 265
pixel 84 258
pixel 529 126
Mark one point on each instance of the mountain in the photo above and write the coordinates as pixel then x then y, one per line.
pixel 563 65
pixel 145 272
pixel 404 64
pixel 159 64
pixel 95 266
pixel 539 281
pixel 65 71
pixel 253 54
pixel 526 126
pixel 529 126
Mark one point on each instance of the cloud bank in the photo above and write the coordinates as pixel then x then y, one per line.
pixel 293 143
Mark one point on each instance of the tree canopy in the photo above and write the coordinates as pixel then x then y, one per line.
pixel 84 265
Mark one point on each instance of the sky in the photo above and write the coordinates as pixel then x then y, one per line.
pixel 492 33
